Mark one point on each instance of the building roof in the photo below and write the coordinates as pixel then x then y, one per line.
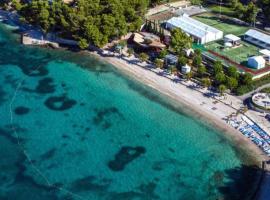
pixel 186 66
pixel 265 52
pixel 171 57
pixel 232 37
pixel 192 26
pixel 258 59
pixel 140 38
pixel 68 1
pixel 258 36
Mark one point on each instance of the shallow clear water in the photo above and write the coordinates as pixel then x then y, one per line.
pixel 74 128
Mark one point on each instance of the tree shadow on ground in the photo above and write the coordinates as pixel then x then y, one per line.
pixel 243 182
pixel 220 20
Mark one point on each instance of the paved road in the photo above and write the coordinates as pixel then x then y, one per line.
pixel 243 97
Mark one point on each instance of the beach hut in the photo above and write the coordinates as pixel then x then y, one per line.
pixel 185 69
pixel 256 62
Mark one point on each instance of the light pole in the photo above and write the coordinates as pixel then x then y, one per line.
pixel 220 8
pixel 254 20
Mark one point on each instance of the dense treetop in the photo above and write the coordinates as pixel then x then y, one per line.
pixel 94 21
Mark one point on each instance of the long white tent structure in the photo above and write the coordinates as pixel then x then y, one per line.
pixel 258 38
pixel 200 32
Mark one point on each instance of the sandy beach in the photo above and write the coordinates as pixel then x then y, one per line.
pixel 207 108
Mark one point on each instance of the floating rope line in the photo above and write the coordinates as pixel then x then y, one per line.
pixel 24 150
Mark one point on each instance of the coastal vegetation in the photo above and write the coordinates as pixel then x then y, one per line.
pixel 87 21
pixel 180 40
pixel 97 22
pixel 214 75
pixel 246 11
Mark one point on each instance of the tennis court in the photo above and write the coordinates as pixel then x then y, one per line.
pixel 225 24
pixel 238 54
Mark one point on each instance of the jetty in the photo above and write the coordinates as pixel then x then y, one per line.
pixel 36 37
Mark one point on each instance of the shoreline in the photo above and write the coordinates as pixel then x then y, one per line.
pixel 140 75
pixel 235 137
pixel 187 98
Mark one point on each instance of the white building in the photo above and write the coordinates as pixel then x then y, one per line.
pixel 231 40
pixel 170 59
pixel 256 62
pixel 266 54
pixel 185 69
pixel 200 32
pixel 258 38
pixel 189 52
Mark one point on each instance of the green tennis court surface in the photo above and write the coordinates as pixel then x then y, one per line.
pixel 225 25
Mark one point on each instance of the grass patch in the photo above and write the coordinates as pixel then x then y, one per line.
pixel 198 46
pixel 222 9
pixel 266 90
pixel 225 25
pixel 262 81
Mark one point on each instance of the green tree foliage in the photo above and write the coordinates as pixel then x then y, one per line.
pixel 196 2
pixel 83 44
pixel 201 70
pixel 130 51
pixel 97 21
pixel 197 61
pixel 143 57
pixel 246 79
pixel 182 60
pixel 180 40
pixel 242 89
pixel 231 83
pixel 189 75
pixel 265 6
pixel 251 12
pixel 222 88
pixel 239 10
pixel 246 13
pixel 159 63
pixel 232 72
pixel 37 12
pixel 198 52
pixel 233 3
pixel 16 4
pixel 163 53
pixel 220 78
pixel 173 70
pixel 206 82
pixel 217 67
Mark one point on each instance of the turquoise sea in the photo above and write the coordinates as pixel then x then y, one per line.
pixel 74 128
